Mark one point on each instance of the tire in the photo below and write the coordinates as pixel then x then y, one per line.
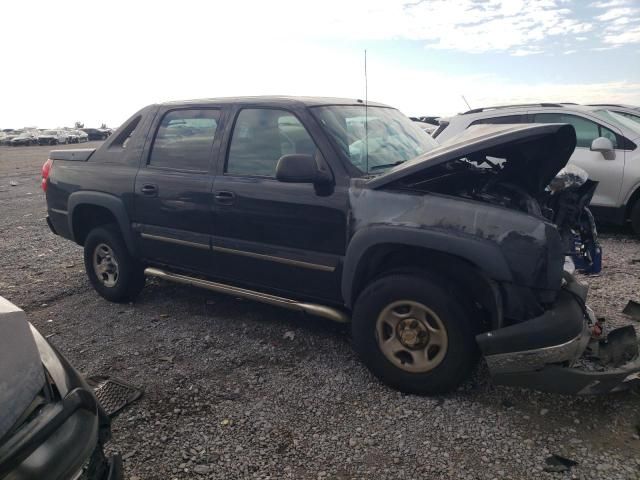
pixel 635 217
pixel 435 305
pixel 115 274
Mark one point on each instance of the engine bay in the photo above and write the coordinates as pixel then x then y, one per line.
pixel 481 179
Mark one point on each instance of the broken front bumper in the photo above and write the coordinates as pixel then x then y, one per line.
pixel 557 353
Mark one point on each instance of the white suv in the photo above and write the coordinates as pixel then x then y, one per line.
pixel 607 148
pixel 629 111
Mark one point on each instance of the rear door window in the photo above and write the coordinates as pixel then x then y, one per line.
pixel 261 136
pixel 586 130
pixel 184 140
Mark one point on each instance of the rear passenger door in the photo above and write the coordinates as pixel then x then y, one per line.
pixel 173 203
pixel 608 172
pixel 282 237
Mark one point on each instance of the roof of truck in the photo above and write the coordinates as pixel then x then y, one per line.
pixel 281 99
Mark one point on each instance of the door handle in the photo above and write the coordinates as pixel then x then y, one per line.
pixel 149 189
pixel 225 197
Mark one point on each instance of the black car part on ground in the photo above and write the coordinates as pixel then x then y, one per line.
pixel 113 394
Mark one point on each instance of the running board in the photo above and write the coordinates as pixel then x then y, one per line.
pixel 310 308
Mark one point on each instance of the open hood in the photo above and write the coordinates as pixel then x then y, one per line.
pixel 21 370
pixel 526 155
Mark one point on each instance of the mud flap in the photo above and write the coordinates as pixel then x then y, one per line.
pixel 609 365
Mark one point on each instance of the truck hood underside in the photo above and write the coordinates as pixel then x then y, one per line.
pixel 528 156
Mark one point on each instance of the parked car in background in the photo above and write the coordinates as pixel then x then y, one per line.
pixel 426 123
pixel 629 111
pixel 607 148
pixel 9 135
pixel 95 133
pixel 24 138
pixel 51 424
pixel 77 136
pixel 53 137
pixel 433 253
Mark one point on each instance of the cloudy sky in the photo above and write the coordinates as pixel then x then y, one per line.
pixel 99 61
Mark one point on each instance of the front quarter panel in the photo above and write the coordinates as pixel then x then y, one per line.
pixel 507 245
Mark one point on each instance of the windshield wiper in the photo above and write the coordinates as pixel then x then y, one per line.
pixel 387 165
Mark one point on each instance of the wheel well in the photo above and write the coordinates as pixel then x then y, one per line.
pixel 635 196
pixel 484 296
pixel 87 217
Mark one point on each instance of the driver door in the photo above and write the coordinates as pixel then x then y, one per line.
pixel 281 237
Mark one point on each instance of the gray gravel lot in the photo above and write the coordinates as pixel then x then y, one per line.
pixel 235 389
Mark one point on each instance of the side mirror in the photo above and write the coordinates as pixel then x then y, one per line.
pixel 299 168
pixel 604 146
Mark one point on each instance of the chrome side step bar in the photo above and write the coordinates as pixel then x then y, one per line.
pixel 310 308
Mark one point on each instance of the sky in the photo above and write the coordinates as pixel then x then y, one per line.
pixel 100 61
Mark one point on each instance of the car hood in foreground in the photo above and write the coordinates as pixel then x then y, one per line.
pixel 21 370
pixel 533 154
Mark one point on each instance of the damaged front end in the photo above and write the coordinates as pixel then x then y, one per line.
pixel 519 194
pixel 565 350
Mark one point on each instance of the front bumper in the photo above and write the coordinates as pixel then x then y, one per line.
pixel 556 352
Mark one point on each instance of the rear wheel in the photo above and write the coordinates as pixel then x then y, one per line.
pixel 635 217
pixel 414 334
pixel 112 271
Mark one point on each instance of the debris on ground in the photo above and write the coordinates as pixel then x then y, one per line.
pixel 113 394
pixel 289 335
pixel 507 403
pixel 632 309
pixel 557 463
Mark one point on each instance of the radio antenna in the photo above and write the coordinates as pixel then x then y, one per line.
pixel 366 118
pixel 465 101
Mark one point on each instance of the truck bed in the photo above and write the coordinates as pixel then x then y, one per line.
pixel 79 154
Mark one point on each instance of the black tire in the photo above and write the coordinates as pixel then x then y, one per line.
pixel 635 217
pixel 461 353
pixel 122 283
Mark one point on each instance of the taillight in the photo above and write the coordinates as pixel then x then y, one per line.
pixel 46 170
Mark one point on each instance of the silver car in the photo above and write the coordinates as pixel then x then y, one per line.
pixel 607 148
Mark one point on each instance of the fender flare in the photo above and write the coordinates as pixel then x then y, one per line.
pixel 484 254
pixel 112 203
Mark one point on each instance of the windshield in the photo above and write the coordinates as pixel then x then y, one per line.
pixel 618 120
pixel 373 140
pixel 50 132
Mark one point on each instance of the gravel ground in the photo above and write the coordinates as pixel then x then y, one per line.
pixel 235 389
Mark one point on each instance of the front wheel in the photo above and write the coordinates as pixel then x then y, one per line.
pixel 112 271
pixel 635 217
pixel 414 334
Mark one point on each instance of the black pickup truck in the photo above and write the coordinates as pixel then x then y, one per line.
pixel 346 210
